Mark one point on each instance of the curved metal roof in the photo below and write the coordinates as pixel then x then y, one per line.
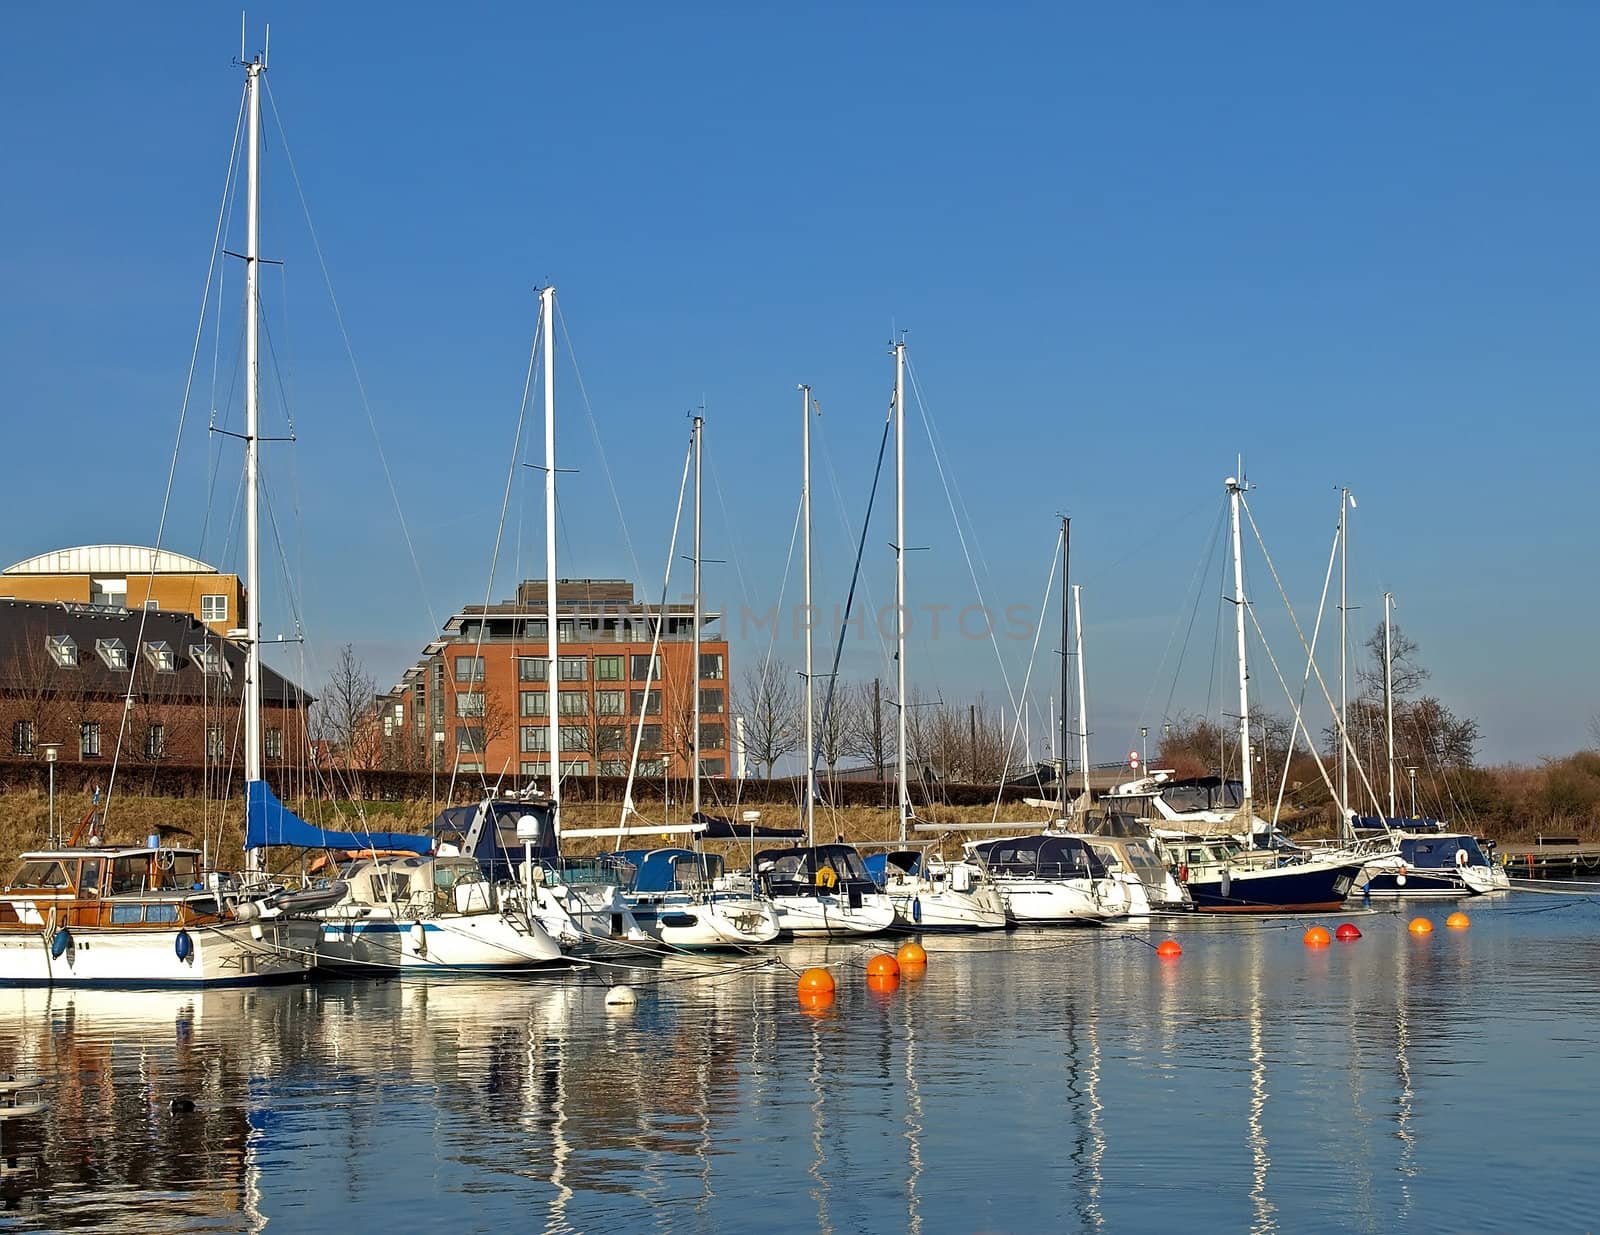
pixel 110 560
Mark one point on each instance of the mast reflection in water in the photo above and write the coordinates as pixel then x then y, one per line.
pixel 1025 1083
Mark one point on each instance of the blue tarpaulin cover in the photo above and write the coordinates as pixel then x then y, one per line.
pixel 269 822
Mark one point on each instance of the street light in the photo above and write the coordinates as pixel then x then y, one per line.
pixel 1144 747
pixel 433 791
pixel 50 750
pixel 1412 772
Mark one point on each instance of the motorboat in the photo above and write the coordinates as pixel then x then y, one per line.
pixel 930 894
pixel 686 899
pixel 823 890
pixel 1152 886
pixel 1051 880
pixel 1436 864
pixel 430 914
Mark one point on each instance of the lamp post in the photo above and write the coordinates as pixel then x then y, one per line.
pixel 1144 748
pixel 433 791
pixel 1412 772
pixel 50 750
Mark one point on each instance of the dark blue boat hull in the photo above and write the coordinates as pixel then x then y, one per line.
pixel 1288 889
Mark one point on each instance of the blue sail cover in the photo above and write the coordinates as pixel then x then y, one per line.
pixel 268 821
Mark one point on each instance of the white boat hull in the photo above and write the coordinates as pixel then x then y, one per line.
pixel 274 950
pixel 923 906
pixel 446 944
pixel 830 914
pixel 681 921
pixel 1077 902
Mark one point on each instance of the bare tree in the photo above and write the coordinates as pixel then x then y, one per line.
pixel 770 704
pixel 870 728
pixel 835 720
pixel 347 716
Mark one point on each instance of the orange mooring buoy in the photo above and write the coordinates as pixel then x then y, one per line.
pixel 883 966
pixel 1318 937
pixel 1420 926
pixel 815 982
pixel 911 955
pixel 1347 930
pixel 1458 921
pixel 1169 948
pixel 883 983
pixel 816 1003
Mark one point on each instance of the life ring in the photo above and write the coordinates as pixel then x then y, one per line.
pixel 1461 857
pixel 827 877
pixel 1400 875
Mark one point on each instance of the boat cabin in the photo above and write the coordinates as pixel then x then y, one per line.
pixel 813 871
pixel 97 885
pixel 1040 857
pixel 1440 852
pixel 424 885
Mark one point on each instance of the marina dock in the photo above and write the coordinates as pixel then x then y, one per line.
pixel 1560 857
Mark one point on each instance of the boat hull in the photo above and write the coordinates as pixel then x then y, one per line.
pixel 1050 902
pixel 1307 888
pixel 832 915
pixel 230 954
pixel 1384 883
pixel 471 943
pixel 686 922
pixel 926 908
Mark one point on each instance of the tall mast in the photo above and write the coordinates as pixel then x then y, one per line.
pixel 1344 706
pixel 1235 490
pixel 1388 694
pixel 902 786
pixel 1066 683
pixel 1083 696
pixel 805 516
pixel 694 654
pixel 252 438
pixel 547 304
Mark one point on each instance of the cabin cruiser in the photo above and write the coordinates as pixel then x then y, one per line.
pixel 148 915
pixel 1437 864
pixel 578 903
pixel 1051 880
pixel 1229 860
pixel 930 894
pixel 429 914
pixel 1151 885
pixel 823 890
pixel 685 899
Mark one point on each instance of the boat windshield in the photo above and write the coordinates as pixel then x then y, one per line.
pixel 1442 851
pixel 42 874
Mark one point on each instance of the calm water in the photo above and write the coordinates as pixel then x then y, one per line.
pixel 1035 1082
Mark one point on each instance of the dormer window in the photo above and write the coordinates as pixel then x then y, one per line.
pixel 159 653
pixel 210 660
pixel 113 651
pixel 62 649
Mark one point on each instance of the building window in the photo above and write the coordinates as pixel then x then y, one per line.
pixel 22 737
pixel 213 608
pixel 274 743
pixel 636 703
pixel 566 630
pixel 469 668
pixel 210 659
pixel 574 703
pixel 711 666
pixel 713 737
pixel 610 737
pixel 151 606
pixel 535 738
pixel 155 741
pixel 608 668
pixel 388 726
pixel 400 713
pixel 575 767
pixel 62 649
pixel 651 739
pixel 113 651
pixel 609 702
pixel 711 702
pixel 214 747
pixel 469 703
pixel 574 669
pixel 533 669
pixel 574 737
pixel 533 703
pixel 159 653
pixel 531 767
pixel 469 739
pixel 640 668
pixel 474 766
pixel 613 767
pixel 712 767
pixel 89 740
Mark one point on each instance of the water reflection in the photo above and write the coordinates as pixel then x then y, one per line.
pixel 1025 1083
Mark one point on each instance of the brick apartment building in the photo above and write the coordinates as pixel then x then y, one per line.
pixel 77 675
pixel 478 700
pixel 131 577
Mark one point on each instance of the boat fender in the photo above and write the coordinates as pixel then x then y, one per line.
pixel 827 877
pixel 1400 876
pixel 60 942
pixel 1183 872
pixel 1227 882
pixel 916 909
pixel 419 939
pixel 183 946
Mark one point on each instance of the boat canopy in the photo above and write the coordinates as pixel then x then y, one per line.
pixel 801 865
pixel 719 827
pixel 1440 851
pixel 1042 857
pixel 905 862
pixel 671 870
pixel 269 822
pixel 1377 823
pixel 498 850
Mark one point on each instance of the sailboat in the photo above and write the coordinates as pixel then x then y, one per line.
pixel 92 913
pixel 1247 868
pixel 818 889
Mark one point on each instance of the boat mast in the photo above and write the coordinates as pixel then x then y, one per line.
pixel 547 303
pixel 1344 706
pixel 1235 491
pixel 805 517
pixel 1066 685
pixel 1388 693
pixel 252 438
pixel 1083 697
pixel 694 653
pixel 902 785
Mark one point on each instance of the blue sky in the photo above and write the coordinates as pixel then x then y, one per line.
pixel 1127 243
